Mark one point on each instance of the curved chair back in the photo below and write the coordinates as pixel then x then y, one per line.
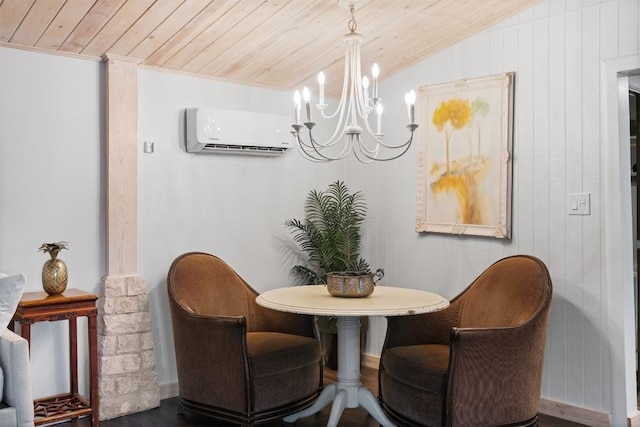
pixel 508 293
pixel 204 284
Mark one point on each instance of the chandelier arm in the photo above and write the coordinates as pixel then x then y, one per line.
pixel 362 145
pixel 397 146
pixel 361 160
pixel 306 154
pixel 406 146
pixel 341 127
pixel 356 77
pixel 356 91
pixel 354 88
pixel 319 147
pixel 374 136
pixel 345 84
pixel 335 138
pixel 342 121
pixel 337 110
pixel 312 150
pixel 379 141
pixel 299 141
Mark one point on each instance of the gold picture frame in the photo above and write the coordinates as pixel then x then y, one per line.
pixel 464 157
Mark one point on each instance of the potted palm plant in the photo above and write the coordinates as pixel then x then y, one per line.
pixel 330 236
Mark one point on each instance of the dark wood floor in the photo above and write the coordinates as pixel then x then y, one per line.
pixel 165 415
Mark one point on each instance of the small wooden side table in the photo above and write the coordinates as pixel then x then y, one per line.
pixel 71 304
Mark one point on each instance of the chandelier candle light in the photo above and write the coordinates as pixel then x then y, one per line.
pixel 352 112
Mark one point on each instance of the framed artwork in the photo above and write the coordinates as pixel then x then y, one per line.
pixel 464 157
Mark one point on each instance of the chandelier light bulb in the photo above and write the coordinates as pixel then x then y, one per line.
pixel 410 99
pixel 321 90
pixel 365 89
pixel 306 95
pixel 375 72
pixel 296 106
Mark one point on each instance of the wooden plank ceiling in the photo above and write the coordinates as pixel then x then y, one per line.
pixel 281 44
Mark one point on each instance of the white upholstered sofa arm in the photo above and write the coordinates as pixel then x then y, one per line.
pixel 14 361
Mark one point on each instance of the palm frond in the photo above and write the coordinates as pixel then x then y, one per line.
pixel 360 265
pixel 307 275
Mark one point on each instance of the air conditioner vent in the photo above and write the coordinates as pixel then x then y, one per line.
pixel 246 149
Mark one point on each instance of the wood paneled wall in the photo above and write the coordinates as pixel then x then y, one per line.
pixel 556 50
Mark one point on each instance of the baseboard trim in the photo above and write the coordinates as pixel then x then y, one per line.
pixel 634 420
pixel 577 414
pixel 369 360
pixel 169 390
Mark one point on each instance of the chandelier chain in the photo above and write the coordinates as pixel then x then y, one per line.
pixel 353 25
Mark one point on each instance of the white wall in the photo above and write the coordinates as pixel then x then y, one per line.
pixel 52 184
pixel 52 180
pixel 231 206
pixel 51 187
pixel 556 50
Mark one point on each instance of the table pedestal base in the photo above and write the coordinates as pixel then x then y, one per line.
pixel 348 392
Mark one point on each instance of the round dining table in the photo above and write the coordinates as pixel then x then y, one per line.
pixel 348 392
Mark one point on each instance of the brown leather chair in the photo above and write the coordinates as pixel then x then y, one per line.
pixel 236 360
pixel 479 361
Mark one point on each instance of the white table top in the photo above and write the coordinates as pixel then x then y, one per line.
pixel 385 301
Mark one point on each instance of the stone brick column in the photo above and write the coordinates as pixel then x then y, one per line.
pixel 126 362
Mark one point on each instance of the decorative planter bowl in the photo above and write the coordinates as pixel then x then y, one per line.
pixel 352 284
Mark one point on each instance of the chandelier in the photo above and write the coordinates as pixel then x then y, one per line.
pixel 353 133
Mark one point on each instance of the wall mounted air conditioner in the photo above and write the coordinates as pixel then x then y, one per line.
pixel 236 132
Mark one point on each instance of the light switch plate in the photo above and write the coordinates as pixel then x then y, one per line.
pixel 579 204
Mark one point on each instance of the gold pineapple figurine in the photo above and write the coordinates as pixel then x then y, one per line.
pixel 54 270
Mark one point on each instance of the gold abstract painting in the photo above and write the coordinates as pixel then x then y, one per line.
pixel 464 157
